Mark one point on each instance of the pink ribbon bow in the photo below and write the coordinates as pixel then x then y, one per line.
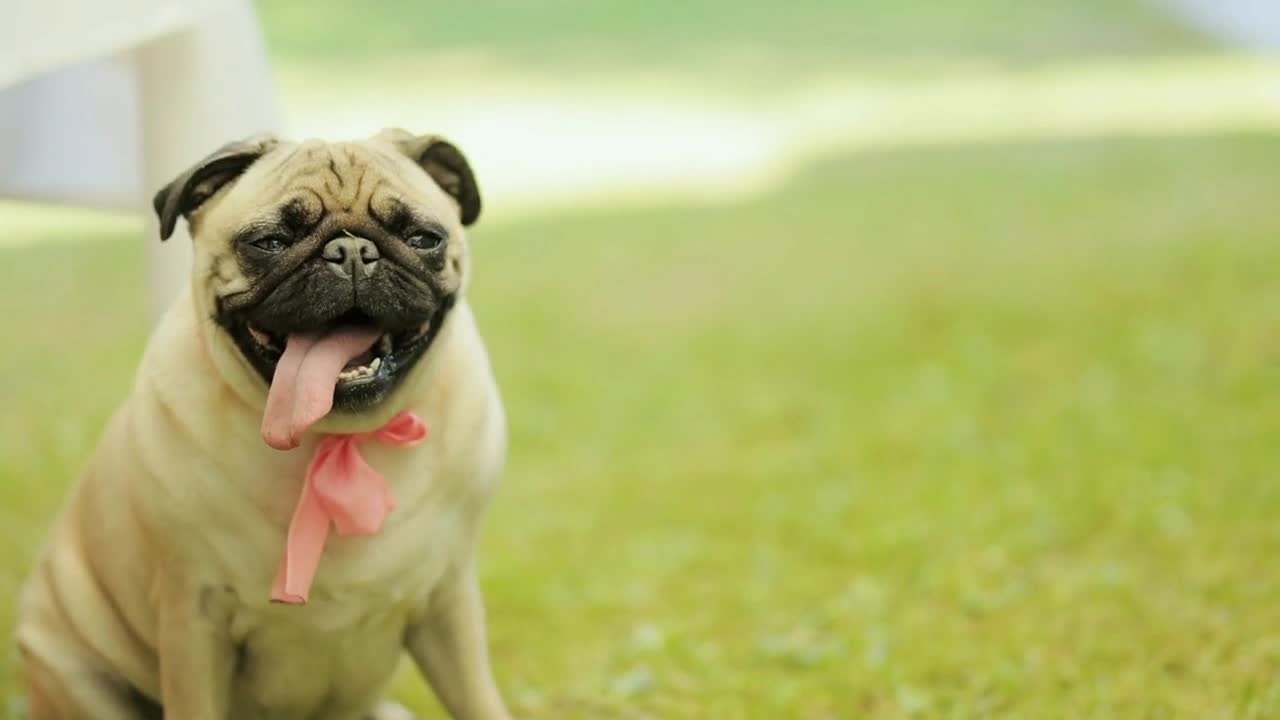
pixel 342 489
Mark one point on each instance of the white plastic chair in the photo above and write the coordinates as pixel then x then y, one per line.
pixel 104 101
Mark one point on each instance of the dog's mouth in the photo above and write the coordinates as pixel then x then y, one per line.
pixel 351 361
pixel 363 368
pixel 387 356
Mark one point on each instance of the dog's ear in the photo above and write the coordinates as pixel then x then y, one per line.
pixel 445 163
pixel 190 189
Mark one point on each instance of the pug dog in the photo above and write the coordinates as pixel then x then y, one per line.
pixel 326 300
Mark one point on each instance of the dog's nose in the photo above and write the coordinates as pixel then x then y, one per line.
pixel 351 256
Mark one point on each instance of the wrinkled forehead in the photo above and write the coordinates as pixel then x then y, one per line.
pixel 300 186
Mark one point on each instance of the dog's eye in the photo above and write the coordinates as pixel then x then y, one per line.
pixel 425 239
pixel 271 243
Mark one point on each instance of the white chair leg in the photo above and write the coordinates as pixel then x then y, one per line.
pixel 199 88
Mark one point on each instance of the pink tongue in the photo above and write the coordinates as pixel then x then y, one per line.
pixel 302 388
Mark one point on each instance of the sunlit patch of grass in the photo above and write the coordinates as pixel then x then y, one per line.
pixel 575 33
pixel 748 49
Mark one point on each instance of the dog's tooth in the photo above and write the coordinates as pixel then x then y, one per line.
pixel 385 343
pixel 259 336
pixel 377 363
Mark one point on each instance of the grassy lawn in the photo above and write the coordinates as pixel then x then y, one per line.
pixel 755 36
pixel 983 432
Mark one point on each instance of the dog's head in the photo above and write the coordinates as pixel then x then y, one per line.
pixel 295 242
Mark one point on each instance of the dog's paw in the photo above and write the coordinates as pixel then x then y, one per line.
pixel 388 710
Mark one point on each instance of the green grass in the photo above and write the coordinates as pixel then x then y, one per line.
pixel 563 34
pixel 982 432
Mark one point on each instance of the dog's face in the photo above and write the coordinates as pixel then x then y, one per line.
pixel 298 240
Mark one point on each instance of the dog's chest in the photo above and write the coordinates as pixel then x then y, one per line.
pixel 332 656
pixel 316 662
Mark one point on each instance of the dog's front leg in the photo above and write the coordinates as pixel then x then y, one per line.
pixel 197 656
pixel 450 646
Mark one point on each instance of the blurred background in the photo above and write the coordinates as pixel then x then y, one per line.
pixel 863 358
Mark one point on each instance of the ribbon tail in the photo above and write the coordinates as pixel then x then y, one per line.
pixel 342 492
pixel 352 493
pixel 307 534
